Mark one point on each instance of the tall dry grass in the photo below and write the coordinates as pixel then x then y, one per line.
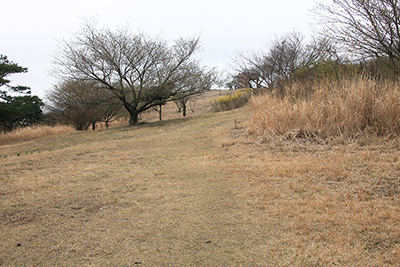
pixel 346 110
pixel 29 133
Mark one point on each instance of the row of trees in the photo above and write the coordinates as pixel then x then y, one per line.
pixel 104 74
pixel 285 57
pixel 354 36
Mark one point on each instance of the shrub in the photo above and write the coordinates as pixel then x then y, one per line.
pixel 346 109
pixel 231 101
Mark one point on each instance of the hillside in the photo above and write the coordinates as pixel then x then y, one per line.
pixel 198 105
pixel 197 191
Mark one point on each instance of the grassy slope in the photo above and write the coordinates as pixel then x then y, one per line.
pixel 196 192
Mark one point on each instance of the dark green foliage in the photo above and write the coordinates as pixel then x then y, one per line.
pixel 326 70
pixel 20 111
pixel 6 68
pixel 16 111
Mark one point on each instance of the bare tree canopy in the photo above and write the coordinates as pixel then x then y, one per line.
pixel 280 61
pixel 140 71
pixel 80 103
pixel 368 29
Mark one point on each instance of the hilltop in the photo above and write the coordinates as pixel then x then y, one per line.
pixel 197 191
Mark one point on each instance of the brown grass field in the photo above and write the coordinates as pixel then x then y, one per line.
pixel 198 191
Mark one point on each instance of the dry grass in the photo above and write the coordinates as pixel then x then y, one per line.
pixel 320 205
pixel 112 198
pixel 347 110
pixel 29 133
pixel 198 192
pixel 199 104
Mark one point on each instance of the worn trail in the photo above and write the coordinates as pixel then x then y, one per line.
pixel 154 195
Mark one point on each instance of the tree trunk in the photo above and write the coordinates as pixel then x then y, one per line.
pixel 159 112
pixel 93 126
pixel 184 109
pixel 133 119
pixel 81 127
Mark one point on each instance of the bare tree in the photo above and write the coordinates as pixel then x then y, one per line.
pixel 82 104
pixel 74 102
pixel 132 66
pixel 281 60
pixel 111 110
pixel 368 29
pixel 252 70
pixel 183 102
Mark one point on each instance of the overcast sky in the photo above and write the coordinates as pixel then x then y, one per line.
pixel 31 28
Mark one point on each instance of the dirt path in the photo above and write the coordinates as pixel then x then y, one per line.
pixel 201 222
pixel 154 195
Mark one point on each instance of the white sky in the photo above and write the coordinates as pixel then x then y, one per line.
pixel 31 28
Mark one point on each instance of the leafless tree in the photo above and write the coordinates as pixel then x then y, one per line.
pixel 132 66
pixel 199 80
pixel 367 29
pixel 82 104
pixel 111 110
pixel 74 102
pixel 182 104
pixel 252 71
pixel 281 60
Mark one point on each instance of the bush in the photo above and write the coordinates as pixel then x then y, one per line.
pixel 347 109
pixel 231 101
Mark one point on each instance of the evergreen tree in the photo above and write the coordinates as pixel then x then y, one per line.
pixel 16 111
